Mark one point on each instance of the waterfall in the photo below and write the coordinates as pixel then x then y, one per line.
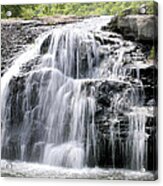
pixel 48 112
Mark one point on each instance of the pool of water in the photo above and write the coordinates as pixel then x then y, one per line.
pixel 35 170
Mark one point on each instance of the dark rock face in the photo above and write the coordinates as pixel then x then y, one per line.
pixel 135 27
pixel 149 78
pixel 106 113
pixel 15 36
pixel 31 65
pixel 15 113
pixel 45 45
pixel 19 104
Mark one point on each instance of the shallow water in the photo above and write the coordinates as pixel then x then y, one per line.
pixel 35 170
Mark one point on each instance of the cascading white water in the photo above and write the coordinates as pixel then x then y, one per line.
pixel 137 140
pixel 57 126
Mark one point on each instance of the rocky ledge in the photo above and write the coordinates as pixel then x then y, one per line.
pixel 135 27
pixel 16 34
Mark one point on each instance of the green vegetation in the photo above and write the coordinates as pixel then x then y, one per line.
pixel 79 9
pixel 152 53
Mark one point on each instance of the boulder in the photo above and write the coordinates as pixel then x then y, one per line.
pixel 135 27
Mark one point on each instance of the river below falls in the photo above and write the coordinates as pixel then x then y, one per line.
pixel 36 170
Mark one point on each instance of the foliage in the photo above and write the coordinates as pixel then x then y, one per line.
pixel 152 53
pixel 80 9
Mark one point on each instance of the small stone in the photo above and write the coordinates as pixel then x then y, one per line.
pixel 143 170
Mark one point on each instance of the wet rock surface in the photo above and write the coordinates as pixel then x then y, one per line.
pixel 17 34
pixel 113 123
pixel 105 94
pixel 149 78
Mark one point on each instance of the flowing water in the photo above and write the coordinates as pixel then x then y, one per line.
pixel 49 117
